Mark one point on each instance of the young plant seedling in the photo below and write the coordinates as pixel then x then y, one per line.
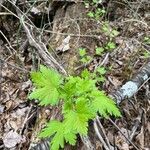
pixel 81 102
pixel 101 71
pixel 84 57
pixel 110 46
pixel 147 40
pixel 96 14
pixel 146 54
pixel 99 50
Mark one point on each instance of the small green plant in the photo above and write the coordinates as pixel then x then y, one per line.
pixel 96 14
pixel 84 57
pixel 93 3
pixel 146 54
pixel 96 2
pixel 91 14
pixel 99 50
pixel 147 40
pixel 114 33
pixel 99 74
pixel 106 27
pixel 109 31
pixel 110 46
pixel 81 102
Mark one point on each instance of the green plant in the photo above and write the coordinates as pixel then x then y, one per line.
pixel 81 102
pixel 99 74
pixel 96 14
pixel 93 3
pixel 84 57
pixel 105 27
pixel 110 45
pixel 114 33
pixel 109 31
pixel 99 50
pixel 147 40
pixel 146 54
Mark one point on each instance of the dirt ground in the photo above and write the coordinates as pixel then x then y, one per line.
pixel 64 27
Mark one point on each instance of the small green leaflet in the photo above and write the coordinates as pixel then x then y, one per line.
pixel 60 133
pixel 147 40
pixel 82 52
pixel 101 70
pixel 90 14
pixel 47 82
pixel 114 33
pixel 77 119
pixel 99 50
pixel 110 46
pixel 104 105
pixel 85 74
pixel 76 86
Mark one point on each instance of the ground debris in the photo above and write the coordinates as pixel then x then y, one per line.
pixel 11 139
pixel 33 32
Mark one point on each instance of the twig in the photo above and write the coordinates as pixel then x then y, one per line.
pixel 1 66
pixel 4 13
pixel 104 60
pixel 83 65
pixel 135 20
pixel 26 119
pixel 124 135
pixel 99 136
pixel 103 131
pixel 87 142
pixel 42 50
pixel 22 13
pixel 53 32
pixel 143 84
pixel 7 41
pixel 2 60
pixel 74 35
pixel 137 122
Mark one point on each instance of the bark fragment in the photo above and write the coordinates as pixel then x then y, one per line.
pixel 132 86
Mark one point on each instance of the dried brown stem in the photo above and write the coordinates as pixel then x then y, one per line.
pixel 42 50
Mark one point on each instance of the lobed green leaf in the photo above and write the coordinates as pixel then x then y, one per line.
pixel 47 82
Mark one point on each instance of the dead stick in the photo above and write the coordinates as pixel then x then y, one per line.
pixel 42 50
pixel 132 86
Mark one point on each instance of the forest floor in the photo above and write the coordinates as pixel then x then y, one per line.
pixel 112 35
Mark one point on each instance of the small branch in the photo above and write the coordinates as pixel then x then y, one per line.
pixel 124 135
pixel 103 131
pixel 137 122
pixel 99 136
pixel 1 2
pixel 74 35
pixel 42 50
pixel 132 86
pixel 7 41
pixel 87 142
pixel 1 67
pixel 17 67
